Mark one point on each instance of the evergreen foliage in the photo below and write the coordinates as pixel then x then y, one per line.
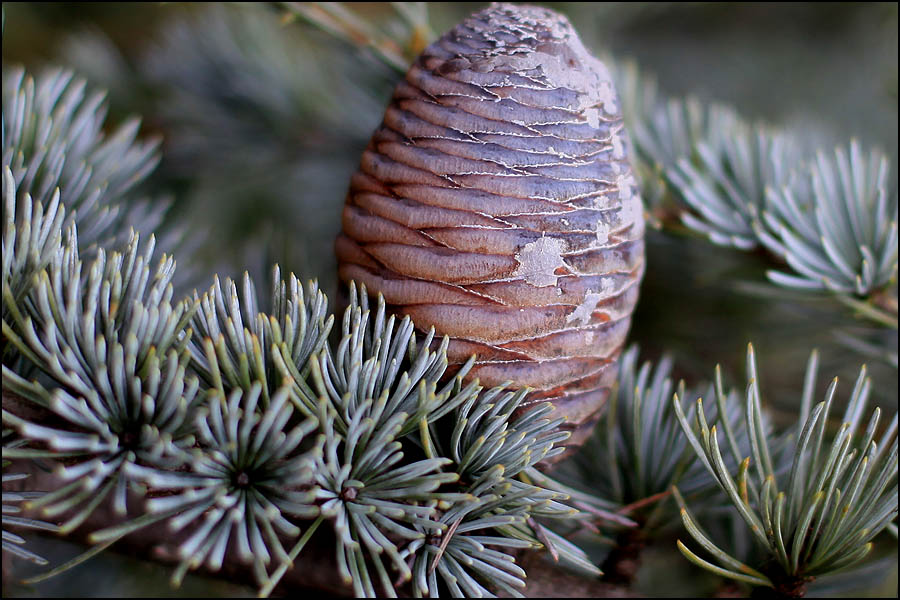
pixel 832 220
pixel 247 479
pixel 821 515
pixel 835 225
pixel 236 345
pixel 248 108
pixel 243 429
pixel 12 543
pixel 111 345
pixel 54 141
pixel 639 451
pixel 31 238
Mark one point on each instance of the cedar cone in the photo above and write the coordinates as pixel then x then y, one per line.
pixel 496 203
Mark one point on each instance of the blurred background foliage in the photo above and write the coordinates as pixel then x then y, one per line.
pixel 263 122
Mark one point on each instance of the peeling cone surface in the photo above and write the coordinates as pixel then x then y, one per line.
pixel 497 204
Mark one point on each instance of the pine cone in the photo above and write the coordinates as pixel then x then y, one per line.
pixel 496 203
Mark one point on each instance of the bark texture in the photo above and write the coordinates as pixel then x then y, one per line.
pixel 496 203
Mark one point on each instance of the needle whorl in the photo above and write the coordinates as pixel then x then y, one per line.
pixel 496 203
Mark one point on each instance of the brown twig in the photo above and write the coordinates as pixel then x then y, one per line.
pixel 629 508
pixel 614 517
pixel 444 542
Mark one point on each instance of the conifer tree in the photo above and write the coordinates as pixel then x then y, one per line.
pixel 306 437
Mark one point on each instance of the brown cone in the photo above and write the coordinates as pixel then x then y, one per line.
pixel 496 203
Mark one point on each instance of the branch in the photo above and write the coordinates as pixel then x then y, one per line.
pixel 548 580
pixel 315 570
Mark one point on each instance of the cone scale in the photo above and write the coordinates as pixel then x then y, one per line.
pixel 497 204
